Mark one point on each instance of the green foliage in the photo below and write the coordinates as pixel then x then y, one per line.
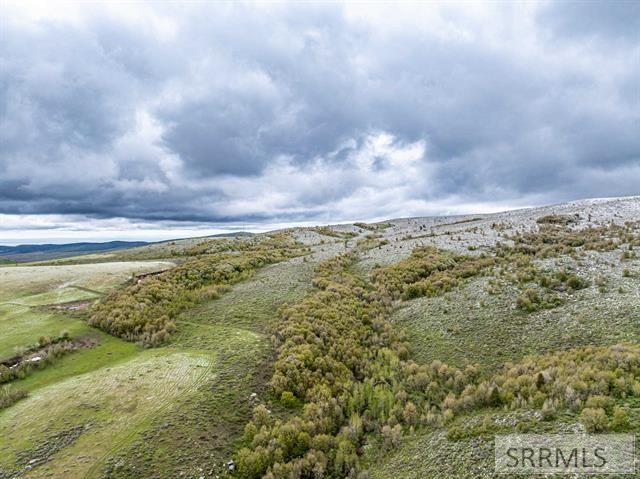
pixel 432 272
pixel 288 399
pixel 327 231
pixel 339 356
pixel 429 272
pixel 391 436
pixel 555 238
pixel 343 361
pixel 533 300
pixel 620 420
pixel 145 312
pixel 563 220
pixel 486 428
pixel 371 241
pixel 588 378
pixel 9 396
pixel 373 226
pixel 594 419
pixel 46 352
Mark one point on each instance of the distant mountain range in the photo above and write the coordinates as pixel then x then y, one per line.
pixel 41 252
pixel 25 253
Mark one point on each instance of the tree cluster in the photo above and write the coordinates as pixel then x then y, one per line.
pixel 145 312
pixel 340 358
pixel 587 381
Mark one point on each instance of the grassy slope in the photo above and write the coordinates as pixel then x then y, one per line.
pixel 171 250
pixel 110 351
pixel 200 436
pixel 468 325
pixel 230 335
pixel 108 405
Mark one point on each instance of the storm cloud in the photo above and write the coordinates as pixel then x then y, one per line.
pixel 241 112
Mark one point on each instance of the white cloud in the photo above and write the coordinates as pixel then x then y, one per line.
pixel 218 113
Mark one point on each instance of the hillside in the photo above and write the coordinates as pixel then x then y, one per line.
pixel 41 252
pixel 395 349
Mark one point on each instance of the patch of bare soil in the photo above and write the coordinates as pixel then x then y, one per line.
pixel 72 305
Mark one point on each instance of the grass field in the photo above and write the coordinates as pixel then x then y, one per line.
pixel 95 413
pixel 26 290
pixel 51 414
pixel 469 325
pixel 19 281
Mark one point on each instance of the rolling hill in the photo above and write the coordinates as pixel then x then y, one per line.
pixel 392 349
pixel 41 252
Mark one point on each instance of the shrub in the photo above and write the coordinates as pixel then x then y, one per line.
pixel 9 396
pixel 557 219
pixel 288 399
pixel 548 410
pixel 575 282
pixel 391 436
pixel 620 420
pixel 261 415
pixel 410 413
pixel 48 349
pixel 533 300
pixel 594 419
pixel 456 433
pixel 599 402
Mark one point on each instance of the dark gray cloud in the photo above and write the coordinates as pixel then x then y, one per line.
pixel 251 112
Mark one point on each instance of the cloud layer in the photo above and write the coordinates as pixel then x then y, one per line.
pixel 231 112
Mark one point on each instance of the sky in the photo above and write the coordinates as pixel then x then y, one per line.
pixel 151 120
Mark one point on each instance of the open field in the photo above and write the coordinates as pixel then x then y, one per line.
pixel 29 296
pixel 464 327
pixel 19 281
pixel 87 412
pixel 26 290
pixel 42 252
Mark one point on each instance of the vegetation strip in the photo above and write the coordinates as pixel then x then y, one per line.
pixel 340 359
pixel 145 312
pixel 45 353
pixel 9 396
